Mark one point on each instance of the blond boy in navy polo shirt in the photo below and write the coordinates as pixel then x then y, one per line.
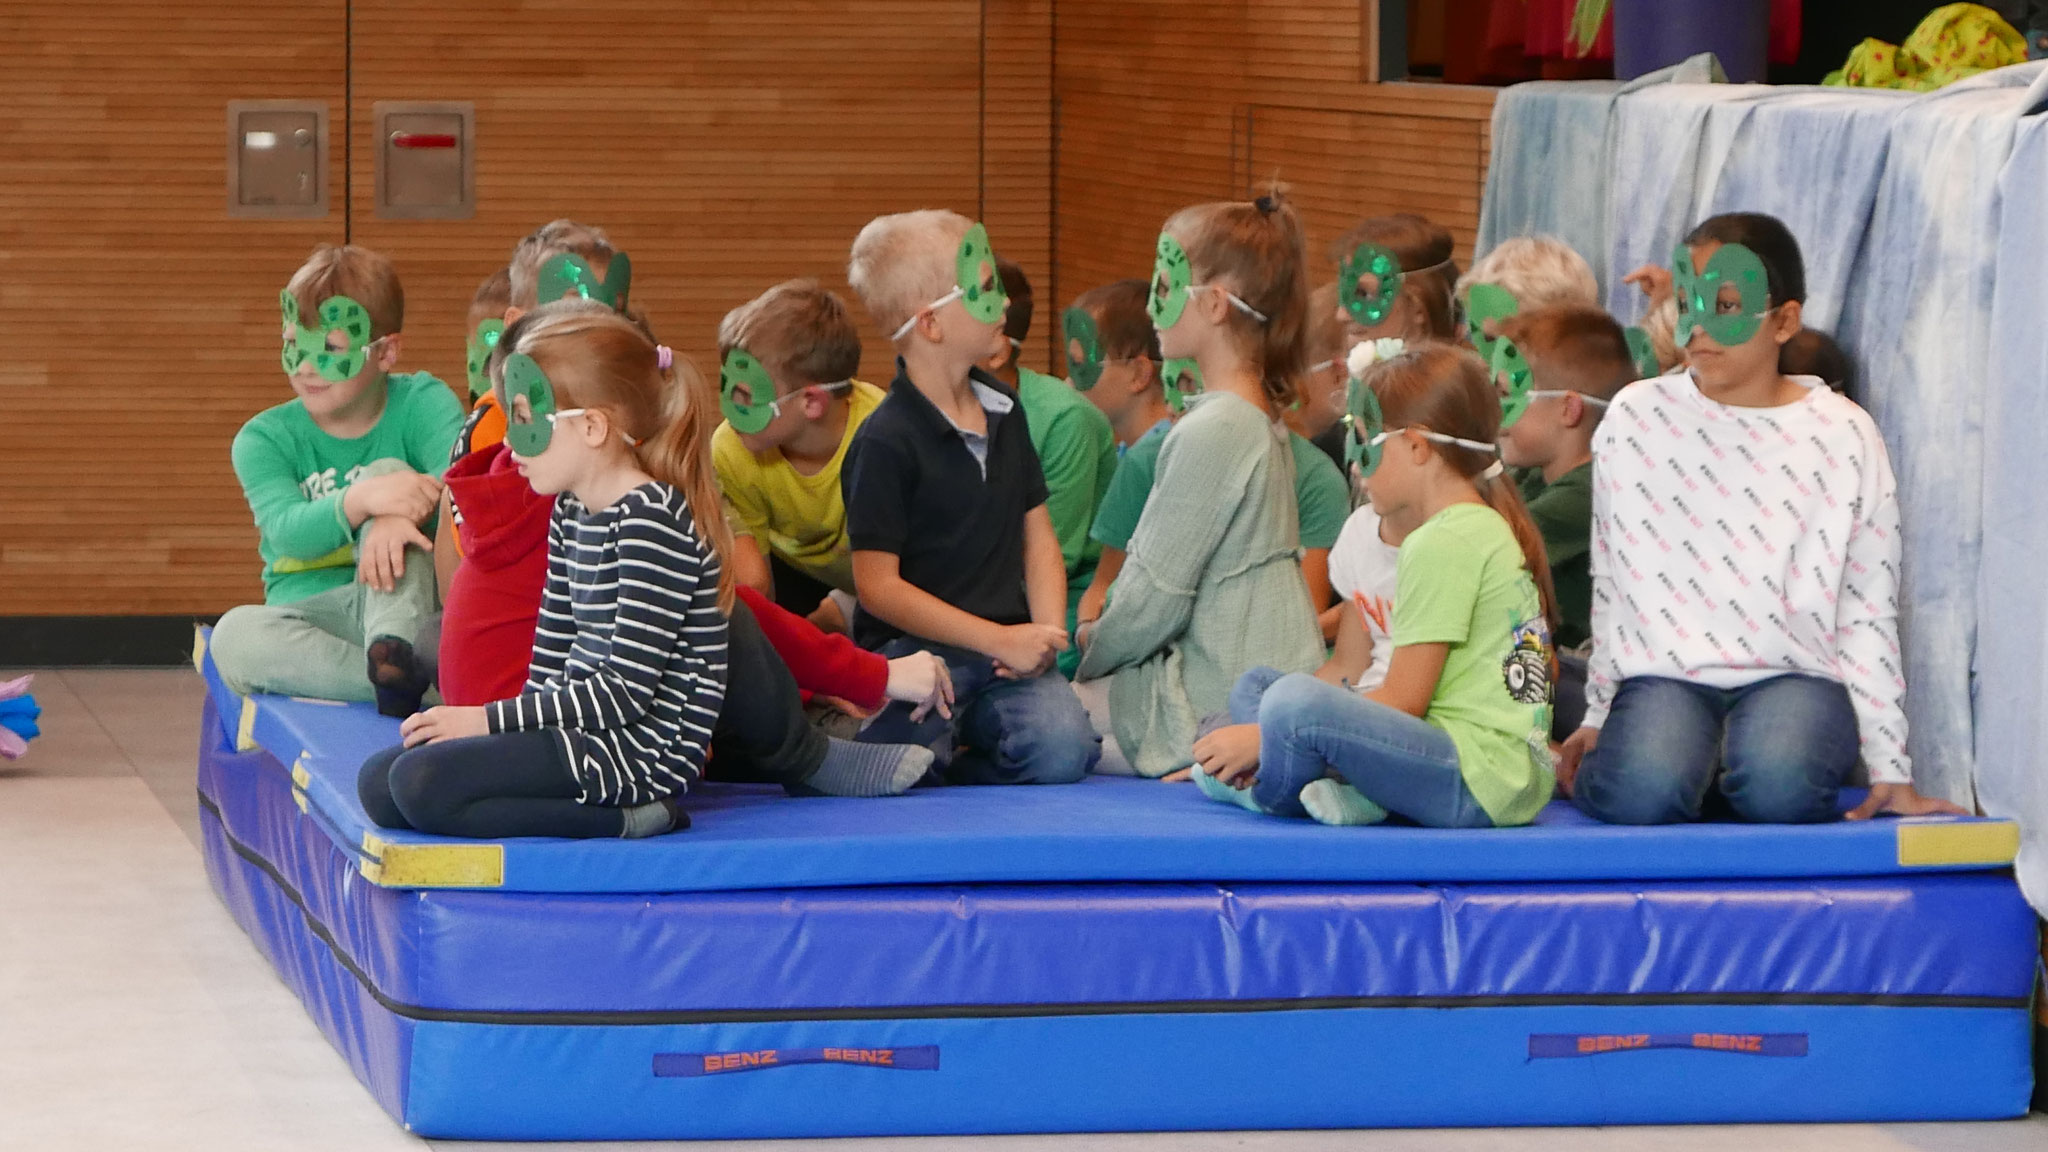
pixel 953 548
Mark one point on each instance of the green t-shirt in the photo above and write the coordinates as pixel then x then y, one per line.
pixel 1563 513
pixel 1077 449
pixel 1321 498
pixel 294 474
pixel 1461 583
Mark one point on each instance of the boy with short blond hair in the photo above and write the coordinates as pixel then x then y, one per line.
pixel 341 481
pixel 953 547
pixel 792 406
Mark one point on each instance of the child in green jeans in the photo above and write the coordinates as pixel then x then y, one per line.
pixel 343 480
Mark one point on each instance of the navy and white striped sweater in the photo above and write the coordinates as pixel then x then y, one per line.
pixel 629 655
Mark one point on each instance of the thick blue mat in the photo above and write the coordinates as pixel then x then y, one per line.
pixel 1104 829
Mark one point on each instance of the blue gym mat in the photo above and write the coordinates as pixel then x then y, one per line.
pixel 1103 829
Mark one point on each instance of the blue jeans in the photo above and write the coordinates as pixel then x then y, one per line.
pixel 1782 749
pixel 1002 731
pixel 1309 729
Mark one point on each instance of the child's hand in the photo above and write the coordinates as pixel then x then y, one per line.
pixel 443 723
pixel 1901 800
pixel 407 495
pixel 1230 754
pixel 1571 753
pixel 923 680
pixel 1027 650
pixel 380 556
pixel 1654 280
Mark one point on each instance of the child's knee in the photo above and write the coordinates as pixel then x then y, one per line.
pixel 417 792
pixel 1288 702
pixel 1248 691
pixel 373 788
pixel 1613 790
pixel 236 645
pixel 1782 789
pixel 1054 742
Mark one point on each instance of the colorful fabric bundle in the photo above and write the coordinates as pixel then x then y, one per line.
pixel 1954 42
pixel 18 713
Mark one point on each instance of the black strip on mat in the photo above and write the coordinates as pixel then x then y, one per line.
pixel 1123 1008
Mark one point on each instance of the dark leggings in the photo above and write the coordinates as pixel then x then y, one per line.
pixel 485 787
pixel 518 784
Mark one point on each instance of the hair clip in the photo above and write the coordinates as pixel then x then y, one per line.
pixel 664 357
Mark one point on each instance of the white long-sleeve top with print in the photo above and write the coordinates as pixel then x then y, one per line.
pixel 1731 545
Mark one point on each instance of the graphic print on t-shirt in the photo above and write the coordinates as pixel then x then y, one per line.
pixel 1526 671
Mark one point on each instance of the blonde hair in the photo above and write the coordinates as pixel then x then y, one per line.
pixel 903 262
pixel 1255 248
pixel 1538 271
pixel 360 274
pixel 798 330
pixel 1447 390
pixel 553 239
pixel 595 358
pixel 1662 326
pixel 1424 250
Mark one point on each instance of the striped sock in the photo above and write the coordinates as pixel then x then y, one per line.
pixel 852 769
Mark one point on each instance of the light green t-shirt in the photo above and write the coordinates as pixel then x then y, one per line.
pixel 1077 450
pixel 294 475
pixel 1461 582
pixel 1322 500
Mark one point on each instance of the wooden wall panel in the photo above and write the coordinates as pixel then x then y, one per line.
pixel 1166 104
pixel 1016 167
pixel 726 148
pixel 138 323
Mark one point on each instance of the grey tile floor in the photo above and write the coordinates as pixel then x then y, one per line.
pixel 135 1016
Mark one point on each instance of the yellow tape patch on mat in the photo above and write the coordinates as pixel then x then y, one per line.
pixel 198 650
pixel 432 865
pixel 1975 842
pixel 245 729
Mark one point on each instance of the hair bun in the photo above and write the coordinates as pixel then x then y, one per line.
pixel 1267 204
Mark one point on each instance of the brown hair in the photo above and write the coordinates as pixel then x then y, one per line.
pixel 1018 308
pixel 1579 350
pixel 1424 249
pixel 1811 352
pixel 1121 320
pixel 798 330
pixel 1445 389
pixel 360 274
pixel 1326 328
pixel 595 358
pixel 1256 249
pixel 552 239
pixel 492 297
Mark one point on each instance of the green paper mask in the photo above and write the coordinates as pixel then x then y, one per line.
pixel 981 289
pixel 1643 351
pixel 1084 349
pixel 1368 283
pixel 1699 294
pixel 1172 276
pixel 337 314
pixel 1483 303
pixel 566 274
pixel 742 370
pixel 1181 378
pixel 529 402
pixel 1362 425
pixel 1511 367
pixel 481 342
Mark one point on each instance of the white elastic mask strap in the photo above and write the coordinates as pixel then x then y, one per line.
pixel 904 329
pixel 1595 401
pixel 1236 301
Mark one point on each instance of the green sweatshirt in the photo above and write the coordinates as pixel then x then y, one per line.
pixel 294 475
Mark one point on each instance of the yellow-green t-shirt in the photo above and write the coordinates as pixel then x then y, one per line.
pixel 800 518
pixel 1460 581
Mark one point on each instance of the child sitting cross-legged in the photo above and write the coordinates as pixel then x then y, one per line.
pixel 1212 585
pixel 1745 570
pixel 1458 734
pixel 791 409
pixel 946 511
pixel 343 481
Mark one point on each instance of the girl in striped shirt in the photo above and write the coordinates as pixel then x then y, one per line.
pixel 630 654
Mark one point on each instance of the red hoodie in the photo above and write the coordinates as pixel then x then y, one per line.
pixel 494 599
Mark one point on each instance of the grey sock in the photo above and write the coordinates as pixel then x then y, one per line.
pixel 645 820
pixel 852 769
